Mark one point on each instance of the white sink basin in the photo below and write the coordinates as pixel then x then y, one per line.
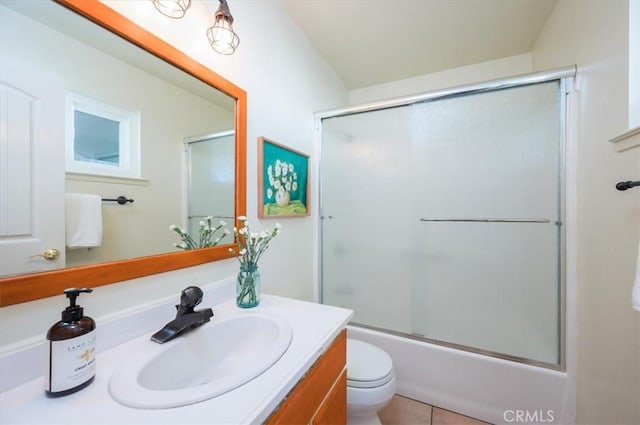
pixel 202 364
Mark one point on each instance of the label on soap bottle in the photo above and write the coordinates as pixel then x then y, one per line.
pixel 72 362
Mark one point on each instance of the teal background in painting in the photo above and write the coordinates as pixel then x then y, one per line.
pixel 270 154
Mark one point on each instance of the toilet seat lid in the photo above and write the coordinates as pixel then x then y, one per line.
pixel 367 365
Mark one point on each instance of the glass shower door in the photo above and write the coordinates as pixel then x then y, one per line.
pixel 211 176
pixel 442 220
pixel 486 234
pixel 366 216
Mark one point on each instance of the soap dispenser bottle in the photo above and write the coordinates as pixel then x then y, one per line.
pixel 71 346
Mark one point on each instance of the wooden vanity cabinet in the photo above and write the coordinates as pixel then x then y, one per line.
pixel 320 398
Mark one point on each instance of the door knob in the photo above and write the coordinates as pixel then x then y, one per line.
pixel 49 254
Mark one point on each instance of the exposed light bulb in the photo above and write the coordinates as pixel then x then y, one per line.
pixel 221 35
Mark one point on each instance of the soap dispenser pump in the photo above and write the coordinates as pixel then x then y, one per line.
pixel 71 346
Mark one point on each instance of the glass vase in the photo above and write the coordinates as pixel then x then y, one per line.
pixel 248 286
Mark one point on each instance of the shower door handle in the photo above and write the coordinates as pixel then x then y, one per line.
pixel 489 220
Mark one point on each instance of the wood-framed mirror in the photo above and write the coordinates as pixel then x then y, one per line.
pixel 31 286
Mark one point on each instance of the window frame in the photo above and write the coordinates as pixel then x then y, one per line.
pixel 128 138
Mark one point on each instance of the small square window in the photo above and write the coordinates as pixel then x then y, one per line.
pixel 96 139
pixel 102 139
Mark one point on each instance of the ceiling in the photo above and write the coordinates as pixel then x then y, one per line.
pixel 370 42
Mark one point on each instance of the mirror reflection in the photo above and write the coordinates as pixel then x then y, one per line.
pixel 141 111
pixel 210 182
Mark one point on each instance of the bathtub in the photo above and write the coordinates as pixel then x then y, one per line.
pixel 494 390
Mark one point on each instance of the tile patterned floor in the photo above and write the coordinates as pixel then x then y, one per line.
pixel 405 411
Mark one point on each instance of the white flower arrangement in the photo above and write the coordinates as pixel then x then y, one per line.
pixel 209 235
pixel 283 179
pixel 251 246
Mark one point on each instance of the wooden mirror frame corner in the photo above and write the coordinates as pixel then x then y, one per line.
pixel 29 287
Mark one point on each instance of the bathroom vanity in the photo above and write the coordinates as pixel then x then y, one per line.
pixel 321 396
pixel 307 384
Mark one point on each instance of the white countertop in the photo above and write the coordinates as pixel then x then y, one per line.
pixel 314 327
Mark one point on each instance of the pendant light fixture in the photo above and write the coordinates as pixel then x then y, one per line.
pixel 172 8
pixel 221 35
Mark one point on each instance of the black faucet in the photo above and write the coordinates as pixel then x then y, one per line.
pixel 186 318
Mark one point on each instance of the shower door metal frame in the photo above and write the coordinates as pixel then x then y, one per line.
pixel 187 178
pixel 565 77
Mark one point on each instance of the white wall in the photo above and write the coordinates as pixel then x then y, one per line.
pixel 286 80
pixel 594 35
pixel 485 71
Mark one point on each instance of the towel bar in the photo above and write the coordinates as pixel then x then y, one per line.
pixel 120 200
pixel 490 220
pixel 627 185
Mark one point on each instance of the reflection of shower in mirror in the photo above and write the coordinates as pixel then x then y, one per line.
pixel 210 177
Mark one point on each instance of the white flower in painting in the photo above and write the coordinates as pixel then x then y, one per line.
pixel 263 235
pixel 243 251
pixel 254 236
pixel 242 218
pixel 223 223
pixel 278 226
pixel 173 227
pixel 227 232
pixel 282 179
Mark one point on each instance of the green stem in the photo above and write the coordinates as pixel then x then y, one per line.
pixel 246 281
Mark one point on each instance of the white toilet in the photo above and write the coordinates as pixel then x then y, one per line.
pixel 371 382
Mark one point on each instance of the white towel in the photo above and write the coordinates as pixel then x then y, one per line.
pixel 84 220
pixel 635 295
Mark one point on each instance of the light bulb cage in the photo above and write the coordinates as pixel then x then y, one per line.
pixel 174 9
pixel 221 36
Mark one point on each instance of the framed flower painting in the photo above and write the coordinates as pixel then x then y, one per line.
pixel 283 180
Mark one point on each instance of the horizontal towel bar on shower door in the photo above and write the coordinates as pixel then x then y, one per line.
pixel 212 216
pixel 490 220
